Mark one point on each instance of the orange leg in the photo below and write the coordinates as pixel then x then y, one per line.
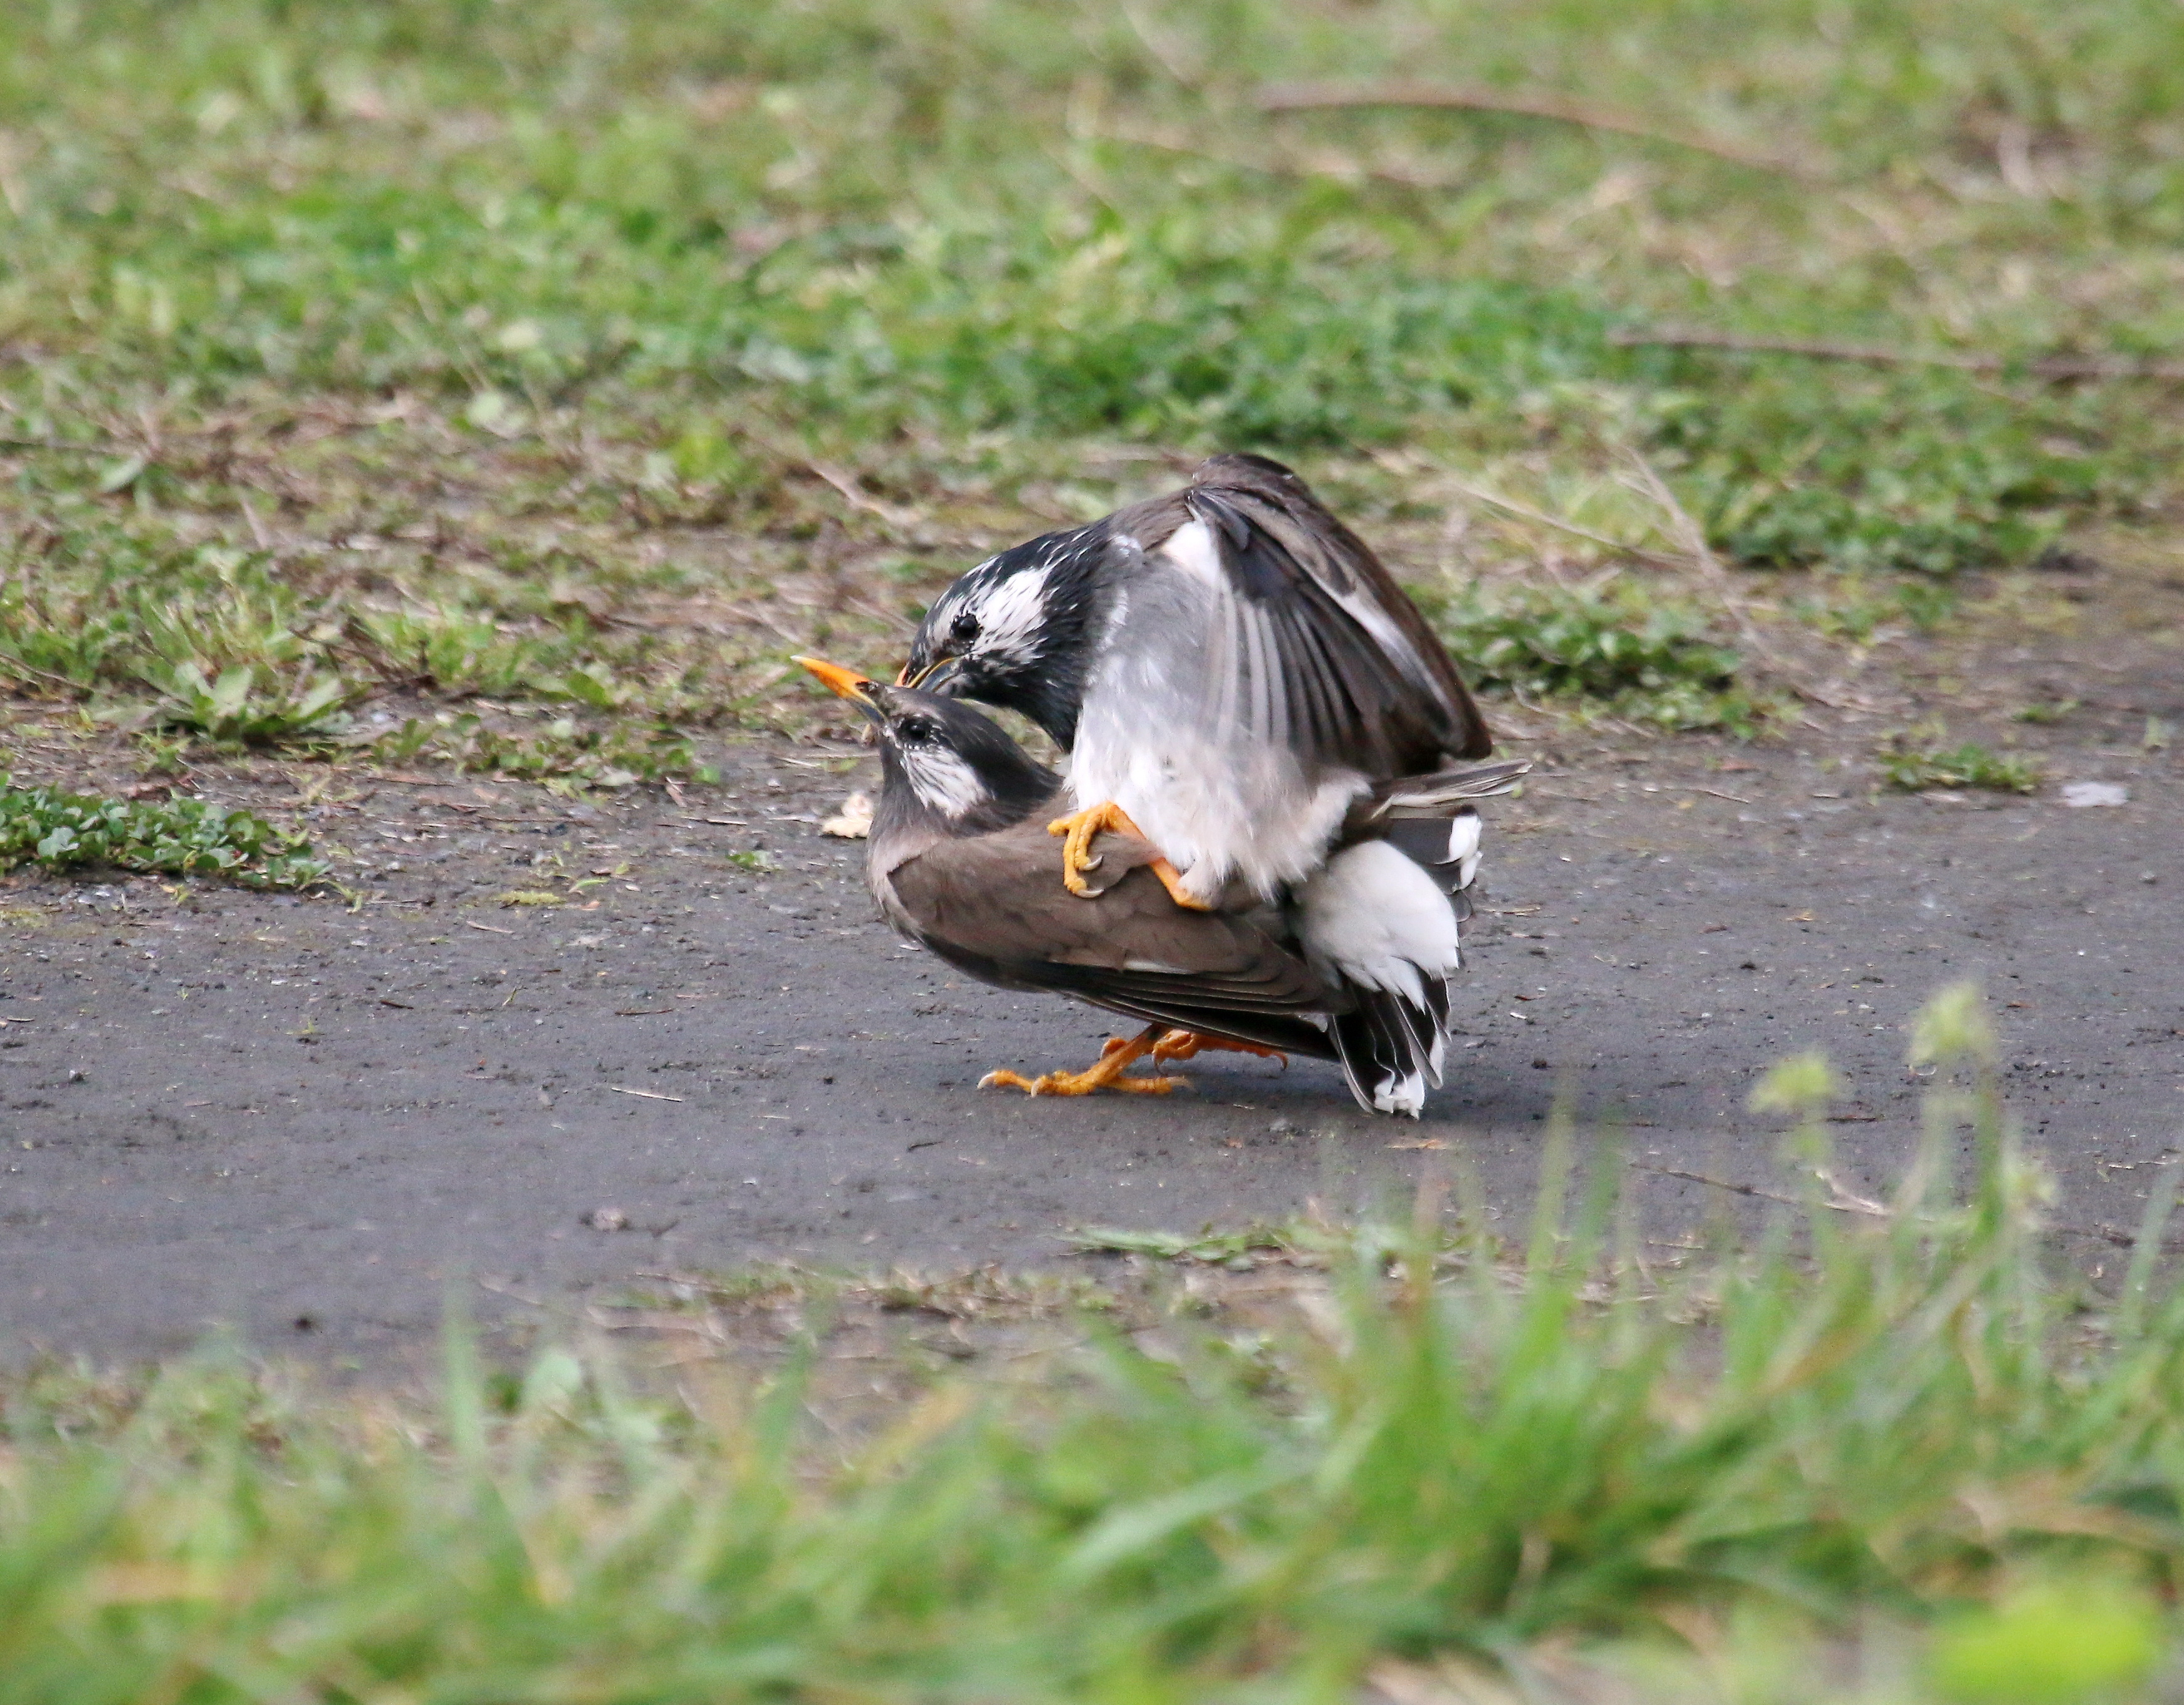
pixel 1106 1074
pixel 1082 826
pixel 1188 1045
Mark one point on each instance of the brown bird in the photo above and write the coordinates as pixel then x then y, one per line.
pixel 960 861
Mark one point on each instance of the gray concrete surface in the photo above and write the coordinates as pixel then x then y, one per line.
pixel 304 1124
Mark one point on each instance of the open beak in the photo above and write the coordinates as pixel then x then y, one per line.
pixel 846 683
pixel 933 677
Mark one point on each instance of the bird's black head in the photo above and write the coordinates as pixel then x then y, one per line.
pixel 1016 631
pixel 940 760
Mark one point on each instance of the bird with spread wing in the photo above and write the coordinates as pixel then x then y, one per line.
pixel 1232 671
pixel 959 858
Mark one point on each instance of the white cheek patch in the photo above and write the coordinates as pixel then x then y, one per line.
pixel 942 781
pixel 1011 616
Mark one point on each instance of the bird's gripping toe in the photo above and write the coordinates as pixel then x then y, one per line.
pixel 1105 1073
pixel 1082 827
pixel 1178 1045
pixel 1162 1045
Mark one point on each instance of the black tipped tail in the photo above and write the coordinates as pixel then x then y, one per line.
pixel 1391 1046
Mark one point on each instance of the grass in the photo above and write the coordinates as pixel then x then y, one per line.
pixel 1884 1421
pixel 57 831
pixel 562 755
pixel 1626 648
pixel 1913 768
pixel 588 358
pixel 514 386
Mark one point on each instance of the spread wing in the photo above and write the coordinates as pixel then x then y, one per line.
pixel 994 906
pixel 1314 646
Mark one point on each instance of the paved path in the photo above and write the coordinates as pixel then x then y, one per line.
pixel 307 1122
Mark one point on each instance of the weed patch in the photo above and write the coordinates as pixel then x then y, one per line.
pixel 62 831
pixel 1896 474
pixel 249 707
pixel 1857 607
pixel 1627 648
pixel 562 756
pixel 1239 1249
pixel 1915 767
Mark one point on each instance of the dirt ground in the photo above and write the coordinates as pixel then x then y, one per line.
pixel 312 1122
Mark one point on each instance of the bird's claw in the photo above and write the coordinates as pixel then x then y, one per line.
pixel 1078 1083
pixel 1082 827
pixel 1118 1055
pixel 1164 1046
pixel 1188 1045
pixel 1079 828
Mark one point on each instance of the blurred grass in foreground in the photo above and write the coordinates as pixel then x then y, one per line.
pixel 648 343
pixel 1884 1454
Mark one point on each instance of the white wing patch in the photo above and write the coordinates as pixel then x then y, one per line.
pixel 1191 547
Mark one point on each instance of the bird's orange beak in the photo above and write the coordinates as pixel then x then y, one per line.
pixel 845 684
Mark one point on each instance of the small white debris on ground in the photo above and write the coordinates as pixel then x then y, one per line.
pixel 854 821
pixel 2095 794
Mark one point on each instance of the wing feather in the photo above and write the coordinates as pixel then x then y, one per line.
pixel 1322 651
pixel 994 906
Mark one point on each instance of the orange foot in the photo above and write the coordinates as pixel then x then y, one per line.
pixel 1106 1074
pixel 1188 1045
pixel 1076 858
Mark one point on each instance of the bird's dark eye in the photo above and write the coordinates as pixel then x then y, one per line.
pixel 916 730
pixel 965 629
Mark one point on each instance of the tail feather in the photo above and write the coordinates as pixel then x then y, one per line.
pixel 1394 1040
pixel 1437 1002
pixel 1378 1047
pixel 1432 796
pixel 1392 1047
